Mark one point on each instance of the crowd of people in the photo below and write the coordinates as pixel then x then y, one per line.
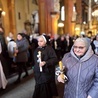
pixel 78 54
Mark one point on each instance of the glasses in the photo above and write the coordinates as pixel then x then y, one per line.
pixel 80 47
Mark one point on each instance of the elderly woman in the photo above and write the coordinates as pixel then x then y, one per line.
pixel 44 69
pixel 82 71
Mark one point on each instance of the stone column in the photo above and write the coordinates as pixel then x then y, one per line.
pixel 79 16
pixel 9 18
pixel 48 24
pixel 12 23
pixel 5 19
pixel 68 25
pixel 43 16
pixel 89 15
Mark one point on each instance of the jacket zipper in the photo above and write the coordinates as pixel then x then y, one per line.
pixel 77 89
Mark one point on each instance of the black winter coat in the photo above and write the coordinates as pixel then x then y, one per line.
pixel 48 74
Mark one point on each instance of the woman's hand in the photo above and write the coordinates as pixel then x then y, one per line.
pixel 16 50
pixel 89 96
pixel 42 63
pixel 60 79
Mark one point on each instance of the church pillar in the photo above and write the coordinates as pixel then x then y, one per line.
pixel 47 17
pixel 5 19
pixel 68 25
pixel 11 10
pixel 90 15
pixel 79 16
pixel 9 18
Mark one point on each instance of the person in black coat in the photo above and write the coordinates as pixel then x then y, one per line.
pixel 44 70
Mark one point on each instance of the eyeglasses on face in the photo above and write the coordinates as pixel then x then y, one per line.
pixel 80 47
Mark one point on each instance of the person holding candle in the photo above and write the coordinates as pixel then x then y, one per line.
pixel 82 71
pixel 44 57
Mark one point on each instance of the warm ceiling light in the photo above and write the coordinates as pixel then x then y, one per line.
pixel 60 24
pixel 95 13
pixel 96 1
pixel 3 13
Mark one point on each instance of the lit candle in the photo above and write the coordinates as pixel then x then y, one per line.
pixel 62 76
pixel 61 69
pixel 60 65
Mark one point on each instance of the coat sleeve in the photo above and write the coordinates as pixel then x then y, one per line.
pixel 93 92
pixel 23 46
pixel 52 59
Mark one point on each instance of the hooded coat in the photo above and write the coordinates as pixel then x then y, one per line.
pixel 82 75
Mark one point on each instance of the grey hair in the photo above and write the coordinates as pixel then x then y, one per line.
pixel 85 40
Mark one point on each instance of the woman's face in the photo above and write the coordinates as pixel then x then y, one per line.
pixel 41 42
pixel 19 37
pixel 79 48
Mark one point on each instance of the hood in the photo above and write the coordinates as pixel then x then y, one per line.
pixel 87 55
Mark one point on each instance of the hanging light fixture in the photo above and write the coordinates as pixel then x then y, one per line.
pixel 96 1
pixel 2 12
pixel 61 24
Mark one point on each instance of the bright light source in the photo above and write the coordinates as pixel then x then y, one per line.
pixel 60 24
pixel 82 33
pixel 96 1
pixel 77 28
pixel 84 22
pixel 3 13
pixel 95 13
pixel 63 13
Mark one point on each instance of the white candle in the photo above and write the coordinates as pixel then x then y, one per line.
pixel 39 53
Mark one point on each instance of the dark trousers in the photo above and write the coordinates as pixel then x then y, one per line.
pixel 21 66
